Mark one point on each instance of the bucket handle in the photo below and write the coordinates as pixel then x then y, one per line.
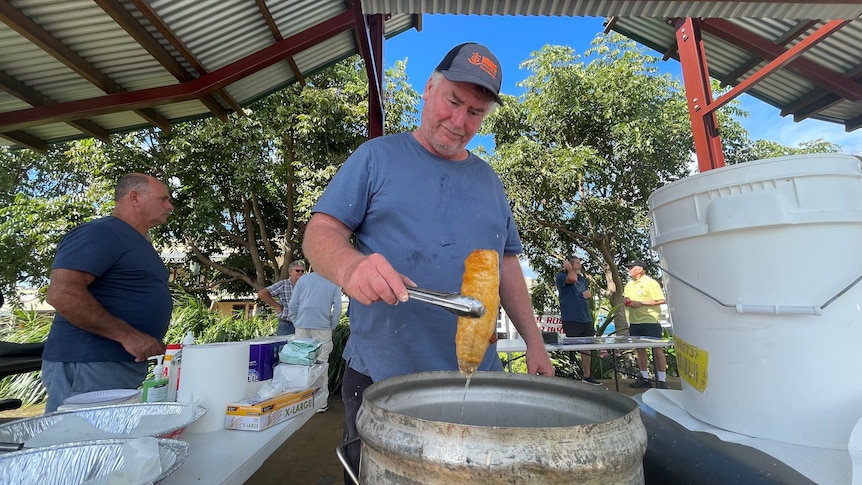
pixel 339 451
pixel 770 309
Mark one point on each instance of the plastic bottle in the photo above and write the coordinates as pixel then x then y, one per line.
pixel 171 370
pixel 177 360
pixel 189 339
pixel 155 389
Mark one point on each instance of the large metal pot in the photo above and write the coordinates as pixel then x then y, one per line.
pixel 430 428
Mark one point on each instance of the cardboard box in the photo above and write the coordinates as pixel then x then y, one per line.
pixel 263 356
pixel 256 414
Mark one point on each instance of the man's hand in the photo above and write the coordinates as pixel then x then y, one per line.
pixel 364 278
pixel 373 279
pixel 142 345
pixel 69 295
pixel 539 363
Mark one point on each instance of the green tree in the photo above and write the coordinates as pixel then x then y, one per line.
pixel 42 197
pixel 589 141
pixel 737 145
pixel 243 189
pixel 246 188
pixel 761 149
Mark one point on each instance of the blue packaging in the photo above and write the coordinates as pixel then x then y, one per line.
pixel 263 356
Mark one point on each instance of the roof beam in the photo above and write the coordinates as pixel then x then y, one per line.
pixel 205 84
pixel 767 50
pixel 797 30
pixel 137 31
pixel 276 34
pixel 368 35
pixel 32 31
pixel 26 140
pixel 35 98
pixel 698 93
pixel 818 100
pixel 782 60
pixel 172 39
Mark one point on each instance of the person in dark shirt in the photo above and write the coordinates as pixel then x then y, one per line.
pixel 575 295
pixel 109 288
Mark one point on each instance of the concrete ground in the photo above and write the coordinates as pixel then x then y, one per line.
pixel 308 457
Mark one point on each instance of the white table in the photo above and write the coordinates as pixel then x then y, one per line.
pixel 587 343
pixel 230 456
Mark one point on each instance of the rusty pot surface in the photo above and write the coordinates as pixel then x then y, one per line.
pixel 508 428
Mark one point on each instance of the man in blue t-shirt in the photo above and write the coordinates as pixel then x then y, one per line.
pixel 574 293
pixel 417 204
pixel 109 288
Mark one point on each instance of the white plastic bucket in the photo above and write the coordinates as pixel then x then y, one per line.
pixel 762 262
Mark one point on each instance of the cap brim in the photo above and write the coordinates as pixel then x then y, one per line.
pixel 463 77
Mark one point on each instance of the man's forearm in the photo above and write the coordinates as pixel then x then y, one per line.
pixel 267 298
pixel 81 309
pixel 327 247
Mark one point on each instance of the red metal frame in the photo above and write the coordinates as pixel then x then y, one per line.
pixel 695 75
pixel 701 106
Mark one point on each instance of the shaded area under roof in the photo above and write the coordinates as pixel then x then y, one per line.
pixel 88 68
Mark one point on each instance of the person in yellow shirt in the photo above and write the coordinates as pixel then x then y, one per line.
pixel 643 307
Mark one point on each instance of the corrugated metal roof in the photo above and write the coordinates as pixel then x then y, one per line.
pixel 80 68
pixel 58 52
pixel 793 90
pixel 822 9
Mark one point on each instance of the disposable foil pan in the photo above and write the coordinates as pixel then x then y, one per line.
pixel 81 461
pixel 116 419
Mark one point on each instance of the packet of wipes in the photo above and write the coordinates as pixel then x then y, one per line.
pixel 302 351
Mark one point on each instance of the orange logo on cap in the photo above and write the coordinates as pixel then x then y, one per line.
pixel 484 63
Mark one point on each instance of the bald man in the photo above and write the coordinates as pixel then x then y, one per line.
pixel 109 288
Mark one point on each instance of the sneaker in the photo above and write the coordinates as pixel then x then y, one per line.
pixel 323 409
pixel 592 380
pixel 641 383
pixel 663 385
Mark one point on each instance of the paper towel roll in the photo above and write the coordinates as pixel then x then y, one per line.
pixel 213 375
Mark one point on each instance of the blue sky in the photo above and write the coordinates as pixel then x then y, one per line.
pixel 513 39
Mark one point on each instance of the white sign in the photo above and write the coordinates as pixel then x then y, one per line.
pixel 549 323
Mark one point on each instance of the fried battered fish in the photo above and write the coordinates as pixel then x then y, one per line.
pixel 481 281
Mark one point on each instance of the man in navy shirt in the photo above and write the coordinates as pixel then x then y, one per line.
pixel 575 312
pixel 109 288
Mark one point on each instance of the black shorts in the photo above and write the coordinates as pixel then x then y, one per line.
pixel 579 329
pixel 645 330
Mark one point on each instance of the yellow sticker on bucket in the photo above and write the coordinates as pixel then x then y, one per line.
pixel 692 363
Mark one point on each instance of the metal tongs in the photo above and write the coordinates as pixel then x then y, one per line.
pixel 464 306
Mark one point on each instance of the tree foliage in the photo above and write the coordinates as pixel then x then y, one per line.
pixel 246 188
pixel 243 190
pixel 42 197
pixel 591 138
pixel 583 148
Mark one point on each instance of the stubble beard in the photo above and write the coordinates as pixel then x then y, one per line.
pixel 446 146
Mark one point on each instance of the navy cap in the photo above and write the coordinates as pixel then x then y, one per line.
pixel 473 63
pixel 636 262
